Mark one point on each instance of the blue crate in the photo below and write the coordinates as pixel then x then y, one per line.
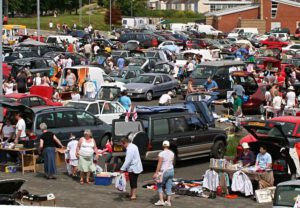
pixel 103 181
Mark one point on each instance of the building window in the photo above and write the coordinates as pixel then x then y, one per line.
pixel 274 9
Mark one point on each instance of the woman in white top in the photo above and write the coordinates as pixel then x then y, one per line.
pixel 85 152
pixel 165 169
pixel 277 101
pixel 8 86
pixel 291 98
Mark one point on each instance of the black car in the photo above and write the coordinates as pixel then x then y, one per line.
pixel 188 136
pixel 146 40
pixel 40 50
pixel 35 65
pixel 62 121
pixel 76 57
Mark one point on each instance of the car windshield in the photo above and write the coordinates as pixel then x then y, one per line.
pixel 137 62
pixel 147 79
pixel 203 72
pixel 269 130
pixel 81 106
pixel 286 195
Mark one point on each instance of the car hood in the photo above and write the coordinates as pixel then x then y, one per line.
pixel 10 186
pixel 133 85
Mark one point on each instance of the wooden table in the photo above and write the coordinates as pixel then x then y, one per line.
pixel 28 160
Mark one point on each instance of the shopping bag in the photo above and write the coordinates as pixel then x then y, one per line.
pixel 121 182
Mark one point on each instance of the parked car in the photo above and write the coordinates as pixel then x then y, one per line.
pixel 146 40
pixel 170 46
pixel 76 57
pixel 150 85
pixel 275 136
pixel 189 138
pixel 271 41
pixel 165 68
pixel 286 194
pixel 197 44
pixel 293 47
pixel 106 111
pixel 127 74
pixel 35 65
pixel 61 121
pixel 218 71
pixel 32 100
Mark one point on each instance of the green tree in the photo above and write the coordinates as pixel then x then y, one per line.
pixel 138 6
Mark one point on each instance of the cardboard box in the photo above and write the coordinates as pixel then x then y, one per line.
pixel 60 157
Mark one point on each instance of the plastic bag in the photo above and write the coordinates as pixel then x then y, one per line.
pixel 98 169
pixel 121 182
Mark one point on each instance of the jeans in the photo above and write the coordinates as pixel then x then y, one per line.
pixel 167 181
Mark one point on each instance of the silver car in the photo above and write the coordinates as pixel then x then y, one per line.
pixel 150 85
pixel 286 194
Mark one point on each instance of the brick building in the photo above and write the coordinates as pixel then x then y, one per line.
pixel 263 14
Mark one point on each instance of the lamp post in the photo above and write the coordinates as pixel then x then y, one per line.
pixel 80 16
pixel 38 20
pixel 1 58
pixel 131 9
pixel 110 14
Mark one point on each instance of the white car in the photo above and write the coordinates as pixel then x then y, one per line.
pixel 169 45
pixel 106 111
pixel 293 47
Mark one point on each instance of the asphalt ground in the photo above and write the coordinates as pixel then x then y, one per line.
pixel 69 193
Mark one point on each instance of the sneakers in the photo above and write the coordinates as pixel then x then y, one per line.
pixel 159 203
pixel 168 204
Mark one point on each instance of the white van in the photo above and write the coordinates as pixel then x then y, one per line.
pixel 207 29
pixel 178 27
pixel 240 31
pixel 58 39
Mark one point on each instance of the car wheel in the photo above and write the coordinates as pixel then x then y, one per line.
pixel 149 96
pixel 103 141
pixel 174 92
pixel 218 150
pixel 261 109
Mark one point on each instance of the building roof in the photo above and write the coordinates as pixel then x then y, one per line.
pixel 233 10
pixel 295 3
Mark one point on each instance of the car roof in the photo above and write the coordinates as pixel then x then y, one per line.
pixel 290 119
pixel 153 74
pixel 51 109
pixel 222 63
pixel 163 115
pixel 21 95
pixel 290 183
pixel 87 100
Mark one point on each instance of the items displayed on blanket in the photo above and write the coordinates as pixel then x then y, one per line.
pixel 241 183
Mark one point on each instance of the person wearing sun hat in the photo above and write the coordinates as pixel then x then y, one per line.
pixel 164 174
pixel 247 157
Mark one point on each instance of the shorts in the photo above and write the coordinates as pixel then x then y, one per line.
pixel 133 180
pixel 74 162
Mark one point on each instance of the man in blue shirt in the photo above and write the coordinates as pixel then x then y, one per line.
pixel 210 85
pixel 263 159
pixel 125 100
pixel 121 63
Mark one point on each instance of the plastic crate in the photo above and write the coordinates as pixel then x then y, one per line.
pixel 103 181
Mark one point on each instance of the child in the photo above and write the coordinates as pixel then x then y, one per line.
pixel 71 147
pixel 108 150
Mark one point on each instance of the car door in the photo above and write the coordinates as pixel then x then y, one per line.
pixel 201 138
pixel 93 108
pixel 158 87
pixel 88 121
pixel 167 82
pixel 181 135
pixel 111 111
pixel 66 123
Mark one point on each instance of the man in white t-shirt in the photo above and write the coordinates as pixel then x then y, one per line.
pixel 20 129
pixel 291 97
pixel 69 62
pixel 165 99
